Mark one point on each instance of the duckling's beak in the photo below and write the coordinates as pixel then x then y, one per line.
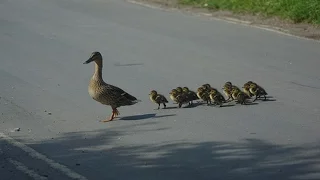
pixel 88 61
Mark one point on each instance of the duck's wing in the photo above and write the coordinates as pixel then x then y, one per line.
pixel 118 92
pixel 161 99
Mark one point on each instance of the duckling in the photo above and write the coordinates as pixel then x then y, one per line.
pixel 207 87
pixel 191 95
pixel 179 98
pixel 246 88
pixel 241 97
pixel 216 97
pixel 227 87
pixel 257 91
pixel 203 94
pixel 104 93
pixel 158 98
pixel 228 83
pixel 179 89
pixel 234 95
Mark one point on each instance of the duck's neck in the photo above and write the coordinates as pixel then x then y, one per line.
pixel 97 70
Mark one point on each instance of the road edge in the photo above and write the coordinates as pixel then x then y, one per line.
pixel 224 19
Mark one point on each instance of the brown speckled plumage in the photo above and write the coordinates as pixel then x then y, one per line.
pixel 104 93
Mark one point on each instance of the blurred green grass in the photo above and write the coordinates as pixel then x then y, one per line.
pixel 296 10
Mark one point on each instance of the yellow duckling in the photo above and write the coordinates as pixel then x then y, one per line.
pixel 203 94
pixel 207 87
pixel 158 99
pixel 178 98
pixel 172 97
pixel 216 97
pixel 191 94
pixel 240 96
pixel 227 87
pixel 246 88
pixel 257 91
pixel 234 93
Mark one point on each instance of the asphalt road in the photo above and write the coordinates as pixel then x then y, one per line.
pixel 43 90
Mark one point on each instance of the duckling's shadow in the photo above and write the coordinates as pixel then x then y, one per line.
pixel 171 107
pixel 193 105
pixel 183 106
pixel 266 100
pixel 249 104
pixel 144 116
pixel 228 105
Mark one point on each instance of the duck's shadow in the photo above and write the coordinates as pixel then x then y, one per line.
pixel 144 116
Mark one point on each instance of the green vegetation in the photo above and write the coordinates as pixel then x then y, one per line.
pixel 296 10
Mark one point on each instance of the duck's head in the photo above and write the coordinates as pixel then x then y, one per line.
pixel 173 92
pixel 153 92
pixel 249 82
pixel 253 85
pixel 185 89
pixel 246 86
pixel 228 83
pixel 179 89
pixel 95 56
pixel 234 90
pixel 234 87
pixel 206 86
pixel 200 89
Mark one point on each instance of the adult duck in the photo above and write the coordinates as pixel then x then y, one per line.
pixel 105 93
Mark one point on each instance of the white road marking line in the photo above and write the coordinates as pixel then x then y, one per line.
pixel 228 20
pixel 66 171
pixel 21 167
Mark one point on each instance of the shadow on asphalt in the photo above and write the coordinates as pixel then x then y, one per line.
pixel 145 116
pixel 99 156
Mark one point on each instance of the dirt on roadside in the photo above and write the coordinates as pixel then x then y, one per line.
pixel 286 26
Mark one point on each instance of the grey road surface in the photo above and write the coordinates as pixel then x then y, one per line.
pixel 43 90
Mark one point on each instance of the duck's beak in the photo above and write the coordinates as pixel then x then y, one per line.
pixel 88 61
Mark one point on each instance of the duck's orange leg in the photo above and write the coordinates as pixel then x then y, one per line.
pixel 114 114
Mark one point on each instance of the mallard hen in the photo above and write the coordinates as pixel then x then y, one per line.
pixel 104 93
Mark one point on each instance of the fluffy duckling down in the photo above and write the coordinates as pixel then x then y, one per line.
pixel 158 99
pixel 257 91
pixel 216 97
pixel 178 97
pixel 246 88
pixel 240 96
pixel 203 94
pixel 192 96
pixel 227 87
